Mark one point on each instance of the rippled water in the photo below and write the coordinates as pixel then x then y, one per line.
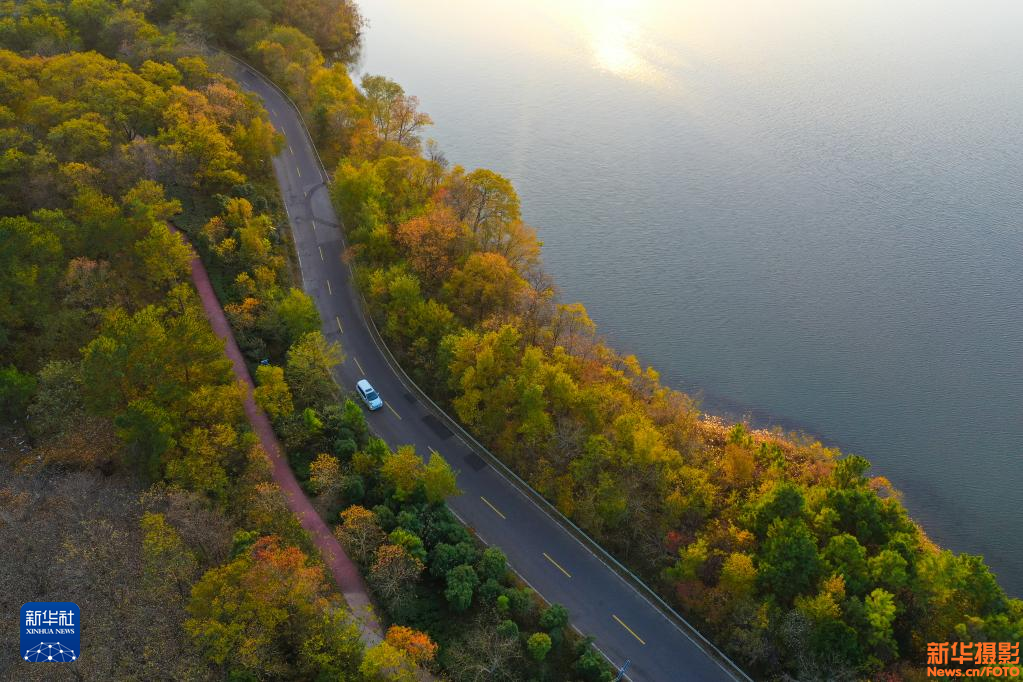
pixel 808 212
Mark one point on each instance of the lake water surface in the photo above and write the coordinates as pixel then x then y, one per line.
pixel 806 211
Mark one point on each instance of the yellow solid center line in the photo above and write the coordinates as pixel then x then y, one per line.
pixel 321 253
pixel 338 320
pixel 358 365
pixel 329 290
pixel 496 511
pixel 548 556
pixel 392 409
pixel 629 629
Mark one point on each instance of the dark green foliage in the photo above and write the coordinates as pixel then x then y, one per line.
pixel 16 391
pixel 522 603
pixel 385 517
pixel 789 563
pixel 850 472
pixel 838 640
pixel 784 501
pixel 554 617
pixel 508 628
pixel 31 260
pixel 445 557
pixel 410 519
pixel 300 461
pixel 342 430
pixel 354 489
pixel 490 591
pixel 589 664
pixel 863 514
pixel 493 565
pixel 429 612
pixel 844 555
pixel 149 430
pixel 439 525
pixel 412 543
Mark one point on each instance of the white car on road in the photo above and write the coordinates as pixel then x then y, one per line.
pixel 369 395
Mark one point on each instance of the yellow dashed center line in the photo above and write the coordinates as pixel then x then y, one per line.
pixel 321 253
pixel 358 365
pixel 338 320
pixel 329 290
pixel 548 557
pixel 629 629
pixel 487 502
pixel 392 409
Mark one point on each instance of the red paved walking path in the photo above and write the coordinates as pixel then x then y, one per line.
pixel 345 572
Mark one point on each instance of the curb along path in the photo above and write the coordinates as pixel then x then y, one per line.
pixel 346 573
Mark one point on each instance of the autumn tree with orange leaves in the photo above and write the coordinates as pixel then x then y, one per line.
pixel 433 243
pixel 359 533
pixel 418 645
pixel 268 607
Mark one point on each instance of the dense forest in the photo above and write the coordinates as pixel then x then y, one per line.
pixel 139 461
pixel 121 423
pixel 790 555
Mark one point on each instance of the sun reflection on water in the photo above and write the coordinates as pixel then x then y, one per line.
pixel 619 43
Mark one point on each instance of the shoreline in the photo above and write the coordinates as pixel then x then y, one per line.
pixel 763 426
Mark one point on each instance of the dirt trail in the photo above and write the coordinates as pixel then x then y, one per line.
pixel 346 573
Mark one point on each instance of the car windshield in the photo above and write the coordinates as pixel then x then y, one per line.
pixel 371 394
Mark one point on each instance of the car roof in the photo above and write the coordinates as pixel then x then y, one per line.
pixel 364 385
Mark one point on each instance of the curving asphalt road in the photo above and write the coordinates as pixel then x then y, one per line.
pixel 626 626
